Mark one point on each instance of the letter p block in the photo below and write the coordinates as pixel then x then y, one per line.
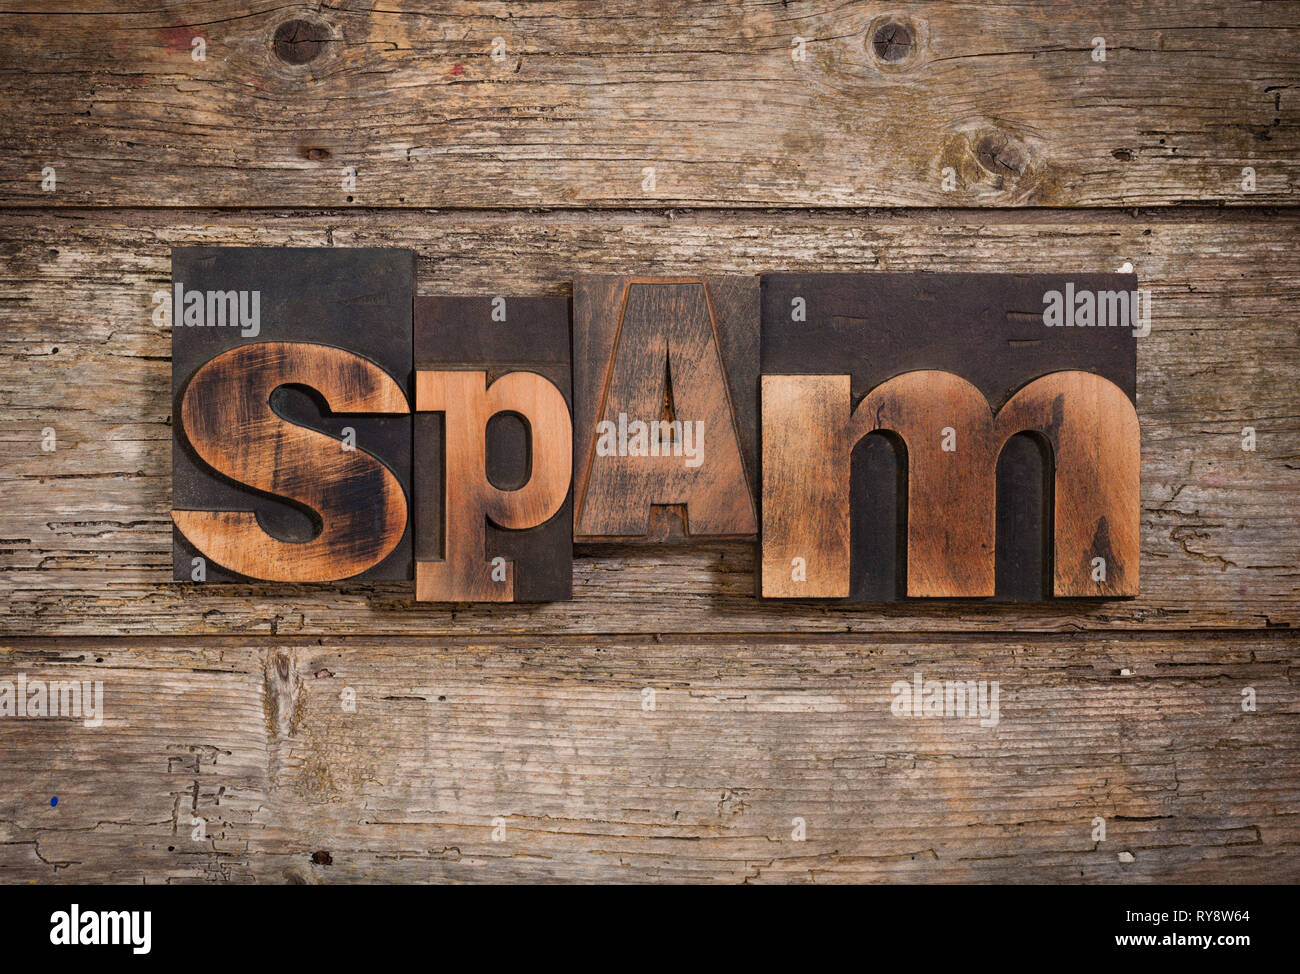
pixel 494 456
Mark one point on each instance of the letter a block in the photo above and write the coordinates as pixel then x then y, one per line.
pixel 494 450
pixel 931 436
pixel 665 385
pixel 291 449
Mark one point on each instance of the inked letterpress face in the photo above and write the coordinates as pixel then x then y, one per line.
pixel 291 384
pixel 985 393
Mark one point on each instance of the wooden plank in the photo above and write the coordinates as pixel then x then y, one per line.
pixel 85 532
pixel 135 787
pixel 406 106
pixel 554 742
pixel 493 468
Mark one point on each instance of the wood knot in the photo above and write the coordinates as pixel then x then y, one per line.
pixel 983 160
pixel 1002 155
pixel 300 41
pixel 315 153
pixel 322 858
pixel 894 42
pixel 891 41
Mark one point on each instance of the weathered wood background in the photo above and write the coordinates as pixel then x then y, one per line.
pixel 513 175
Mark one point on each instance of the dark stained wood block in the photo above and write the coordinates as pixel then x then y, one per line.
pixel 665 383
pixel 262 486
pixel 970 354
pixel 493 449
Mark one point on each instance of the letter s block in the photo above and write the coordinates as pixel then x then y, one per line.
pixel 493 449
pixel 291 451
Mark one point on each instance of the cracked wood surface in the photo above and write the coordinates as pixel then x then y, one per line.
pixel 450 736
pixel 587 96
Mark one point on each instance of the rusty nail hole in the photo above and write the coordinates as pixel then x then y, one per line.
pixel 315 153
pixel 322 858
pixel 1001 155
pixel 891 42
pixel 299 41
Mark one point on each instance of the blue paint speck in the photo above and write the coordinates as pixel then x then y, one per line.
pixel 54 801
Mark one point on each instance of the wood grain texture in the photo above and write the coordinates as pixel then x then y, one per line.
pixel 665 379
pixel 586 97
pixel 547 730
pixel 804 545
pixel 746 735
pixel 514 176
pixel 85 528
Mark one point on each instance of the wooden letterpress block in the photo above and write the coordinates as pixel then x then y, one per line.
pixel 494 442
pixel 291 381
pixel 1007 460
pixel 665 383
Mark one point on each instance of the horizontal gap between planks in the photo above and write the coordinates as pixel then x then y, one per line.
pixel 1178 213
pixel 181 641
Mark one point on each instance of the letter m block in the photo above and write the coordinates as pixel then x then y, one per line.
pixel 1006 455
